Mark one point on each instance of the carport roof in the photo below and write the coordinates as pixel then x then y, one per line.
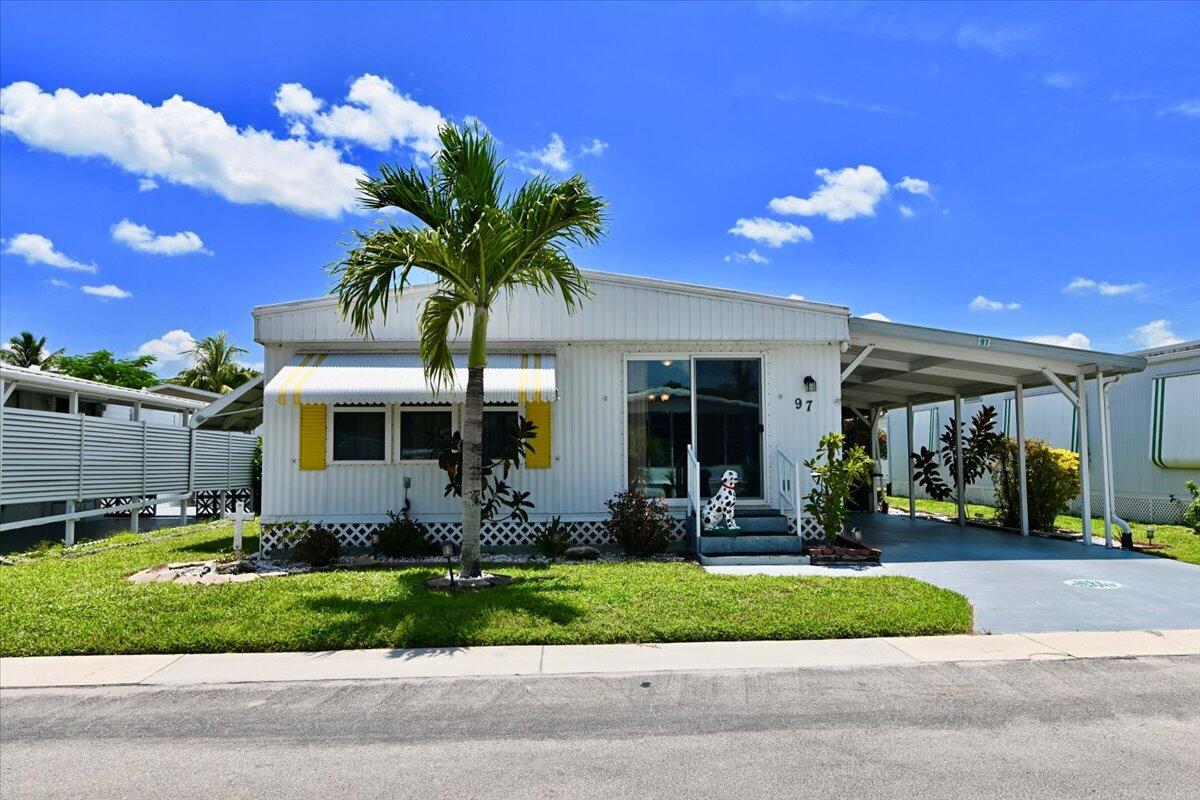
pixel 895 364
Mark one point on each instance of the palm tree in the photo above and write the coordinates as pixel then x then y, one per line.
pixel 477 244
pixel 215 367
pixel 26 350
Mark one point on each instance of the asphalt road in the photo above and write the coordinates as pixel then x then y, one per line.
pixel 1094 728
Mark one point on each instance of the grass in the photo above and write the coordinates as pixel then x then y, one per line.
pixel 1179 541
pixel 57 604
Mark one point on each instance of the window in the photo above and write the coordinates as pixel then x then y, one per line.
pixel 419 432
pixel 360 434
pixel 498 427
pixel 658 407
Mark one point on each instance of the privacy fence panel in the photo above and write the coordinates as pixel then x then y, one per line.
pixel 46 456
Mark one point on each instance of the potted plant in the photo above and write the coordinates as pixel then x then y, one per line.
pixel 836 470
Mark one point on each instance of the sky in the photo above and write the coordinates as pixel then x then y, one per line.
pixel 1026 171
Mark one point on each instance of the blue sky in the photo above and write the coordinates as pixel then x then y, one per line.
pixel 1016 170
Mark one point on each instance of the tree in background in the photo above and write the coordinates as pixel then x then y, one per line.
pixel 215 366
pixel 478 244
pixel 27 350
pixel 103 366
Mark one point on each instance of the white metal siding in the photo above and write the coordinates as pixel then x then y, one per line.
pixel 588 443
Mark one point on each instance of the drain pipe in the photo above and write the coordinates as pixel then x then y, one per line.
pixel 1106 420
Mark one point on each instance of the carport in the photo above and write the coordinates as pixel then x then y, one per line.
pixel 888 366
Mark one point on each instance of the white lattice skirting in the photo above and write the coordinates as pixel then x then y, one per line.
pixel 494 534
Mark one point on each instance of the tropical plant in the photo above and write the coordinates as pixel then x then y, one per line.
pixel 639 524
pixel 836 470
pixel 478 244
pixel 27 350
pixel 103 366
pixel 215 367
pixel 494 492
pixel 403 537
pixel 1052 479
pixel 552 539
pixel 980 445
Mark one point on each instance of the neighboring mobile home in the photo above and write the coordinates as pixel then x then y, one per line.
pixel 620 390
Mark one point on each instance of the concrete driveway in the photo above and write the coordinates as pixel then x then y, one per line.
pixel 1021 584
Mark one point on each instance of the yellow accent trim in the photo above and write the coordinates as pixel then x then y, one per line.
pixel 291 378
pixel 541 415
pixel 312 436
pixel 305 376
pixel 537 379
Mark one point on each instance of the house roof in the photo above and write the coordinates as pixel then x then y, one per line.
pixel 238 410
pixel 45 381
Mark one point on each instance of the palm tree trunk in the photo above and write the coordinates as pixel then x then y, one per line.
pixel 472 445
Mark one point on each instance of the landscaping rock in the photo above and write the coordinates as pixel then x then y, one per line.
pixel 581 552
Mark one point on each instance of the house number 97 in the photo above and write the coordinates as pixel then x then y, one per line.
pixel 803 405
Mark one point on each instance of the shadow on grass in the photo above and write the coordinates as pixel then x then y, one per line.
pixel 439 622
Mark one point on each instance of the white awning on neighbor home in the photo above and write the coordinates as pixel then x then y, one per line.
pixel 365 378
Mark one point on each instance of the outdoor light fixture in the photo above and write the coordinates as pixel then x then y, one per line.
pixel 1150 534
pixel 448 552
pixel 810 383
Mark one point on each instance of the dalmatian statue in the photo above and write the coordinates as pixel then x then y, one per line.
pixel 721 505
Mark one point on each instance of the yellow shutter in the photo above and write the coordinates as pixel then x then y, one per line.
pixel 539 414
pixel 312 436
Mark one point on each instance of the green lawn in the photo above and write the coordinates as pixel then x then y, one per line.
pixel 1181 543
pixel 57 604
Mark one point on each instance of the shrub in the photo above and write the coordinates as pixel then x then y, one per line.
pixel 316 546
pixel 842 470
pixel 1052 480
pixel 552 538
pixel 640 525
pixel 404 537
pixel 1190 508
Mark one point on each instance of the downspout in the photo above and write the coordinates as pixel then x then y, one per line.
pixel 1126 531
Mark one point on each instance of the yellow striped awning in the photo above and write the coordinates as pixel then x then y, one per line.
pixel 365 378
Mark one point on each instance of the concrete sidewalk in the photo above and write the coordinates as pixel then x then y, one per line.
pixel 222 668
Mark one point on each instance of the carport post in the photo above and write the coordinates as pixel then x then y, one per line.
pixel 1085 498
pixel 1105 461
pixel 1022 475
pixel 876 415
pixel 912 495
pixel 959 483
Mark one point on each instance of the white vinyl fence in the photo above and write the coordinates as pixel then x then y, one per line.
pixel 48 457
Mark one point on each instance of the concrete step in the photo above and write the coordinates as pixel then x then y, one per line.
pixel 752 560
pixel 740 545
pixel 757 524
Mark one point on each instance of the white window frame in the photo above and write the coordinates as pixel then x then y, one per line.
pixel 334 410
pixel 401 410
pixel 517 407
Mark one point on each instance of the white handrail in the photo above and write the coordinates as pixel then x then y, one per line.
pixel 693 481
pixel 789 487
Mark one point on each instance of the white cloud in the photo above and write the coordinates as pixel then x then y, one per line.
pixel 596 148
pixel 147 185
pixel 553 155
pixel 169 350
pixel 1076 340
pixel 1155 334
pixel 375 115
pixel 1083 285
pixel 981 303
pixel 37 249
pixel 144 240
pixel 1188 108
pixel 58 283
pixel 915 186
pixel 846 194
pixel 752 257
pixel 184 143
pixel 770 232
pixel 877 316
pixel 907 212
pixel 107 291
pixel 1061 80
pixel 795 297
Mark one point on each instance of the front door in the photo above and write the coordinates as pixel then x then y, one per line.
pixel 728 415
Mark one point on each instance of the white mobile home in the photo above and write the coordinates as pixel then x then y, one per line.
pixel 627 389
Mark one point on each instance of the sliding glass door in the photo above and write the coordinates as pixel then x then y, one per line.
pixel 715 402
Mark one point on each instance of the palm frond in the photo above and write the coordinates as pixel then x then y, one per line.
pixel 441 312
pixel 408 190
